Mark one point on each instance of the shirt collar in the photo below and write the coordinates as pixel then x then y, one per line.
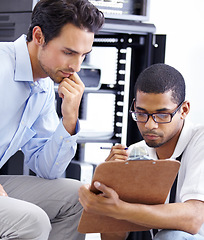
pixel 23 71
pixel 184 138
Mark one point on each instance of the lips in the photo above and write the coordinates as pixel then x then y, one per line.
pixel 66 75
pixel 151 136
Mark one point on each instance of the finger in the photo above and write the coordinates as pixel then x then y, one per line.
pixel 68 90
pixel 106 191
pixel 68 86
pixel 116 158
pixel 86 197
pixel 118 146
pixel 75 77
pixel 87 186
pixel 4 194
pixel 119 149
pixel 2 191
pixel 84 191
pixel 65 91
pixel 76 81
pixel 73 80
pixel 118 154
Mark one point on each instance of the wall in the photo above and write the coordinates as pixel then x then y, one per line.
pixel 182 21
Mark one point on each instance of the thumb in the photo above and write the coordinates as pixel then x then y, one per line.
pixel 97 185
pixel 102 188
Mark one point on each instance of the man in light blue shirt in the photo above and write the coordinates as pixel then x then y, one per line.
pixel 61 34
pixel 29 118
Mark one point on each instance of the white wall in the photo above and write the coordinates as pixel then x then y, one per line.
pixel 182 21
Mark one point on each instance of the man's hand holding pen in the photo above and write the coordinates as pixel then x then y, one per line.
pixel 118 152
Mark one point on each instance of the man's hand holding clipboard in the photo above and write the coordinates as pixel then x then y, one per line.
pixel 130 181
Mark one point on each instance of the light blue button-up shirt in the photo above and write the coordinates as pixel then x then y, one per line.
pixel 28 119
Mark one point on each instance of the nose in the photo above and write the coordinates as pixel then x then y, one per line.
pixel 76 64
pixel 151 124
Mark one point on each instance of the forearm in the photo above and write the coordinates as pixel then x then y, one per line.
pixel 181 216
pixel 188 216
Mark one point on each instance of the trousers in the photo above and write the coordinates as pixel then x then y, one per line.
pixel 39 209
pixel 176 235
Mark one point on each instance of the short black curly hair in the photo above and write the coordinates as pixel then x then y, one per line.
pixel 52 15
pixel 161 78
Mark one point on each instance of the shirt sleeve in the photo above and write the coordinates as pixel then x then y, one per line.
pixel 51 148
pixel 191 173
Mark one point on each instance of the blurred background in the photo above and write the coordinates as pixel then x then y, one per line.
pixel 182 22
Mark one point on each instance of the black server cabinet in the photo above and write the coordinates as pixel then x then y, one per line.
pixel 14 18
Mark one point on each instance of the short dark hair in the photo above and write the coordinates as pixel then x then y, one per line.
pixel 161 78
pixel 52 15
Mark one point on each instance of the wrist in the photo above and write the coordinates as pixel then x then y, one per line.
pixel 70 126
pixel 118 210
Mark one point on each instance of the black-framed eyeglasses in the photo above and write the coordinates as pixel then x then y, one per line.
pixel 157 117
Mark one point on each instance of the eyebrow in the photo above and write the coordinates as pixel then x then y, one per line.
pixel 73 51
pixel 158 110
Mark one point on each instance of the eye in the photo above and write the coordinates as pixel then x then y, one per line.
pixel 67 53
pixel 163 116
pixel 141 116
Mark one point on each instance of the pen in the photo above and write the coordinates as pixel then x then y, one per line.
pixel 110 148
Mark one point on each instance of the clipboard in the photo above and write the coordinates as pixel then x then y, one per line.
pixel 135 181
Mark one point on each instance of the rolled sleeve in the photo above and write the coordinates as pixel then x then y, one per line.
pixel 62 136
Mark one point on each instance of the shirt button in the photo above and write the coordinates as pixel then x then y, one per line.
pixel 61 137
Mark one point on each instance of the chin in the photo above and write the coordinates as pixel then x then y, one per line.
pixel 56 80
pixel 154 144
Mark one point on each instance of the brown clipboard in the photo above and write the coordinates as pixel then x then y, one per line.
pixel 136 181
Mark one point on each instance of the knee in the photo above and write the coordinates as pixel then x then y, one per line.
pixel 67 189
pixel 36 224
pixel 66 192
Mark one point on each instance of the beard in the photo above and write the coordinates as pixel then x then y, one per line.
pixel 154 143
pixel 157 144
pixel 50 73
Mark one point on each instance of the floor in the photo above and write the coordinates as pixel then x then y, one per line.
pixel 93 236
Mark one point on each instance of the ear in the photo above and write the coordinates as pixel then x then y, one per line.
pixel 185 108
pixel 38 36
